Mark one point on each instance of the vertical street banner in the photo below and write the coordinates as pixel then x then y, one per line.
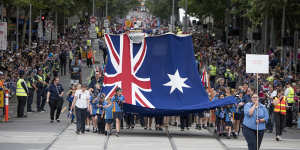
pixel 48 29
pixel 54 34
pixel 40 30
pixel 3 35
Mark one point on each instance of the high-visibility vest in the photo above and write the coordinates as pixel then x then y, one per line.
pixel 90 54
pixel 290 97
pixel 29 84
pixel 20 90
pixel 281 106
pixel 88 42
pixel 227 73
pixel 213 70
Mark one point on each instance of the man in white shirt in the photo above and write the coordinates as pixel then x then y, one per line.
pixel 80 103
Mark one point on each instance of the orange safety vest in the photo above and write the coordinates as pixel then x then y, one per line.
pixel 281 106
pixel 90 54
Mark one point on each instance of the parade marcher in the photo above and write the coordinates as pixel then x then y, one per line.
pixel 108 115
pixel 41 85
pixel 89 58
pixel 254 113
pixel 55 99
pixel 279 113
pixel 70 98
pixel 117 101
pixel 289 93
pixel 80 103
pixel 238 114
pixel 100 113
pixel 228 120
pixel 21 94
pixel 31 88
pixel 63 62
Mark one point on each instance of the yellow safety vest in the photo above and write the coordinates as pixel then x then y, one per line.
pixel 20 90
pixel 213 70
pixel 89 42
pixel 290 97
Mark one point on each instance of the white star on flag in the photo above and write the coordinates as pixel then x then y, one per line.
pixel 176 82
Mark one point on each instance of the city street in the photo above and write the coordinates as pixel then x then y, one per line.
pixel 36 133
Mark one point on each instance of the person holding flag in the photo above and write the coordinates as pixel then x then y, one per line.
pixel 117 101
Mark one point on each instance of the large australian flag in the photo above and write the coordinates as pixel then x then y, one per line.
pixel 157 76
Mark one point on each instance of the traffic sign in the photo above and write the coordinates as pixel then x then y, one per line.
pixel 106 23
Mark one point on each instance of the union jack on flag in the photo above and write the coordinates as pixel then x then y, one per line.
pixel 125 66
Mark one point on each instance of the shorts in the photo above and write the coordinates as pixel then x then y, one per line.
pixel 228 123
pixel 201 114
pixel 118 115
pixel 109 121
pixel 237 116
pixel 206 114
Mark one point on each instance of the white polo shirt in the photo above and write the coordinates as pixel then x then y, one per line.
pixel 82 98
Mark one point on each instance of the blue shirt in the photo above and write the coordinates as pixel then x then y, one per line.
pixel 116 106
pixel 108 111
pixel 228 114
pixel 250 121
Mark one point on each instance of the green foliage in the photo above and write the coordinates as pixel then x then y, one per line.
pixel 160 8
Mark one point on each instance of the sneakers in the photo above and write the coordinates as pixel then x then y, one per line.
pixel 51 121
pixel 57 120
pixel 117 134
pixel 77 132
pixel 278 138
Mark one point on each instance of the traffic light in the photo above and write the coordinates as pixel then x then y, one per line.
pixel 43 18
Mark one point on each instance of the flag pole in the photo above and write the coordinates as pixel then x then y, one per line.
pixel 257 112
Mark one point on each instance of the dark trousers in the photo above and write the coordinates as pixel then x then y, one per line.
pixel 80 117
pixel 289 115
pixel 30 99
pixel 89 62
pixel 142 121
pixel 250 136
pixel 70 63
pixel 270 123
pixel 279 123
pixel 101 124
pixel 55 105
pixel 129 118
pixel 159 120
pixel 21 105
pixel 40 99
pixel 63 68
pixel 184 121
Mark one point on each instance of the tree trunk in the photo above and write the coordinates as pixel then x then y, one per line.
pixel 24 28
pixel 272 34
pixel 265 43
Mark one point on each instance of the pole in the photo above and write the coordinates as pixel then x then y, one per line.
pixel 295 50
pixel 186 20
pixel 173 15
pixel 17 30
pixel 29 42
pixel 93 7
pixel 257 112
pixel 282 33
pixel 106 8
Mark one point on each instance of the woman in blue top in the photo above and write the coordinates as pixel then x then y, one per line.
pixel 252 119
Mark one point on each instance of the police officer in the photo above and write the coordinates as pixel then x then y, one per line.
pixel 21 94
pixel 212 73
pixel 40 97
pixel 31 88
pixel 289 94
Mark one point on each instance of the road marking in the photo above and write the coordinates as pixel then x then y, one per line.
pixel 106 142
pixel 171 140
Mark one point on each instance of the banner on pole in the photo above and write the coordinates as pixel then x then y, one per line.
pixel 257 63
pixel 3 35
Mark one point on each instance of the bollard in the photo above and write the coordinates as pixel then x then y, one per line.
pixel 6 105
